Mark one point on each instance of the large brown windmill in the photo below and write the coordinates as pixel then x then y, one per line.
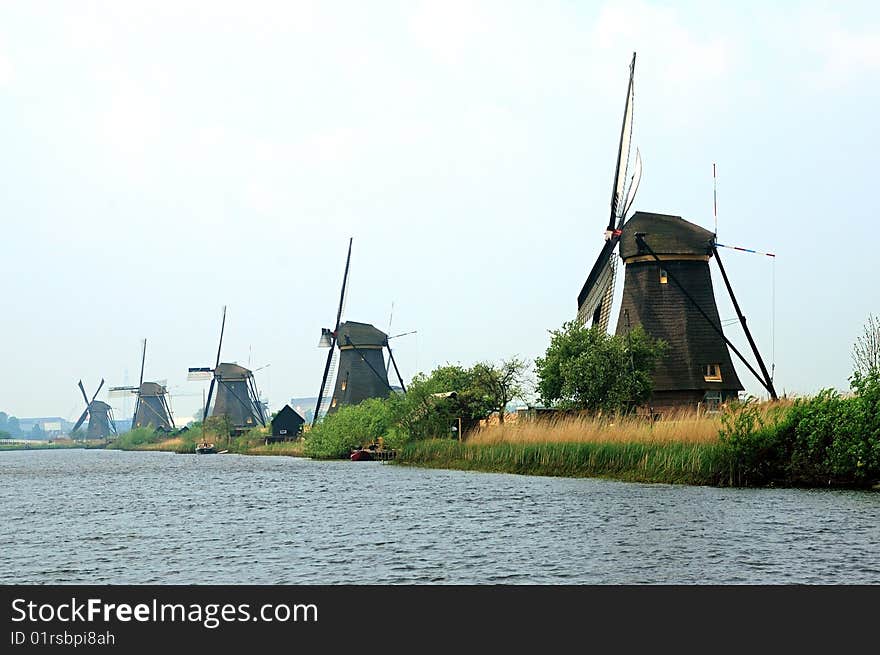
pixel 356 357
pixel 667 290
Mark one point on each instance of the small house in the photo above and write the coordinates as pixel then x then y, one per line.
pixel 286 426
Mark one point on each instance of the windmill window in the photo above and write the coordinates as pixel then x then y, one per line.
pixel 712 373
pixel 663 277
pixel 344 383
pixel 333 404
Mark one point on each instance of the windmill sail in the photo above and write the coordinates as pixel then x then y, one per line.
pixel 633 186
pixel 595 298
pixel 617 193
pixel 328 339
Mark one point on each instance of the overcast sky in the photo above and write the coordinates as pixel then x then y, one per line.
pixel 162 159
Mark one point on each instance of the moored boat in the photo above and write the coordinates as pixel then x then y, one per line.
pixel 361 455
pixel 206 448
pixel 373 452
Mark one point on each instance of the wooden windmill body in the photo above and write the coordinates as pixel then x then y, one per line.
pixel 151 409
pixel 99 414
pixel 356 358
pixel 668 291
pixel 697 370
pixel 361 373
pixel 236 395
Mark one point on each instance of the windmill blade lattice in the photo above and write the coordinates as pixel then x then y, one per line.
pixel 331 356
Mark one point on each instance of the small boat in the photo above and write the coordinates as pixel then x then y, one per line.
pixel 361 455
pixel 374 452
pixel 206 448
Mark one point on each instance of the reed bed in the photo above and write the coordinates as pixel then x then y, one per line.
pixel 680 427
pixel 171 445
pixel 682 447
pixel 288 448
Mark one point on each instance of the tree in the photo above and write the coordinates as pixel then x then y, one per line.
pixel 586 368
pixel 866 350
pixel 219 426
pixel 501 384
pixel 434 403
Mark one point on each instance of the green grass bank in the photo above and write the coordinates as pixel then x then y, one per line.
pixel 696 464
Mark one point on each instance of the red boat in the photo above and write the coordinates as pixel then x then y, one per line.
pixel 361 455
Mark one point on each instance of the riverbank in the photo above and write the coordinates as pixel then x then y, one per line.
pixel 825 441
pixel 186 444
pixel 828 440
pixel 673 463
pixel 65 445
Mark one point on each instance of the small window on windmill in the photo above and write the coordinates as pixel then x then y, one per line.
pixel 345 382
pixel 663 277
pixel 712 373
pixel 333 404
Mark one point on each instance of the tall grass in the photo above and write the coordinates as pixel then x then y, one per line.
pixel 682 447
pixel 684 427
pixel 288 448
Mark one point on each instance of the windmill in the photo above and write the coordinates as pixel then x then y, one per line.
pixel 151 408
pixel 237 396
pixel 667 290
pixel 99 413
pixel 356 359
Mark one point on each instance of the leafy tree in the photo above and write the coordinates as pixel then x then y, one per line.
pixel 218 428
pixel 5 435
pixel 4 417
pixel 502 383
pixel 866 350
pixel 586 368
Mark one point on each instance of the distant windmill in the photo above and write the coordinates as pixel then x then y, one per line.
pixel 237 396
pixel 151 407
pixel 99 414
pixel 357 350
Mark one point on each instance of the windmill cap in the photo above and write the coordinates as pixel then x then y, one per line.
pixel 229 371
pixel 665 235
pixel 361 334
pixel 152 389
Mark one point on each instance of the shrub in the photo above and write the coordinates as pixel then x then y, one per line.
pixel 350 427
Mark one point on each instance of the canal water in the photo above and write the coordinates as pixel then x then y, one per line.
pixel 108 517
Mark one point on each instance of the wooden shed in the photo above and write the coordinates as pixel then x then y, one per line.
pixel 286 426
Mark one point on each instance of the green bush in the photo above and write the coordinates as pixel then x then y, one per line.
pixel 350 427
pixel 826 440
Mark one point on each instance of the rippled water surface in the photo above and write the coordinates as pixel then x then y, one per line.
pixel 107 517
